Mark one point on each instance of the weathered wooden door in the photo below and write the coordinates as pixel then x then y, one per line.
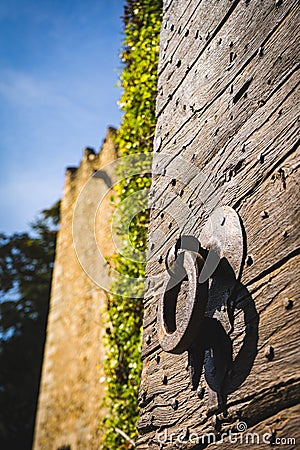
pixel 226 140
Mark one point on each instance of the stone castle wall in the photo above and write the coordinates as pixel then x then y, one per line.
pixel 72 381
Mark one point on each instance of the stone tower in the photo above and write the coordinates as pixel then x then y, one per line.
pixel 72 383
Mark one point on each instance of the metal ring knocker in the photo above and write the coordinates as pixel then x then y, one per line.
pixel 175 333
pixel 190 316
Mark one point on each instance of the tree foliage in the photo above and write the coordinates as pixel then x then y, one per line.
pixel 142 19
pixel 26 262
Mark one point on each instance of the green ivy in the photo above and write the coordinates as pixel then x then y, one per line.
pixel 142 19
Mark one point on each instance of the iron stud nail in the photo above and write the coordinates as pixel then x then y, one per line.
pixel 288 303
pixel 216 422
pixel 185 433
pixel 269 352
pixel 200 391
pixel 174 403
pixel 264 214
pixel 249 260
pixel 261 158
pixel 260 51
pixel 158 143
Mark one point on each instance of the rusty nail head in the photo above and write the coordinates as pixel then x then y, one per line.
pixel 148 339
pixel 288 303
pixel 249 260
pixel 185 433
pixel 269 352
pixel 164 379
pixel 261 158
pixel 273 437
pixel 158 143
pixel 174 403
pixel 264 214
pixel 285 234
pixel 157 358
pixel 200 391
pixel 216 422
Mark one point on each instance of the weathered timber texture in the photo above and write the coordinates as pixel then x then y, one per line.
pixel 228 134
pixel 72 383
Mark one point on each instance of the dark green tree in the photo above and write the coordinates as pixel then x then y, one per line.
pixel 26 263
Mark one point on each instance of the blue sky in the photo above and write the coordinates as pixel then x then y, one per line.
pixel 59 64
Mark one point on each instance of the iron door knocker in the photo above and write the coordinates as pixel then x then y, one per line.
pixel 195 314
pixel 176 334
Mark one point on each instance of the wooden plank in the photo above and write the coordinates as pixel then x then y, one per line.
pixel 204 73
pixel 187 26
pixel 219 119
pixel 281 428
pixel 269 296
pixel 234 143
pixel 276 188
